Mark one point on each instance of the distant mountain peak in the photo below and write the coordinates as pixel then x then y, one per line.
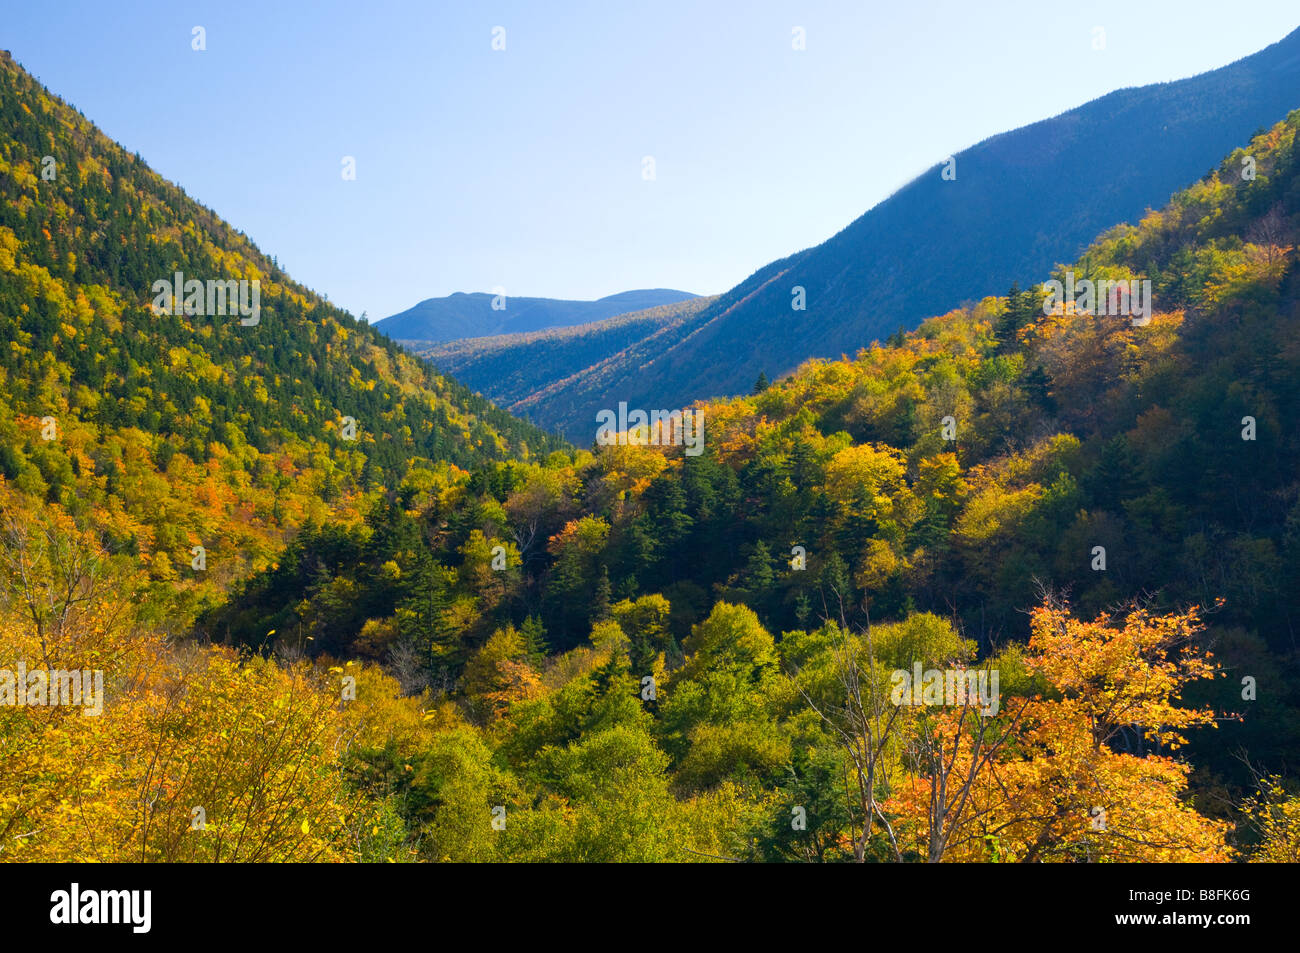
pixel 471 314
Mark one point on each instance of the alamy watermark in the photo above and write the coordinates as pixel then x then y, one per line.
pixel 56 686
pixel 209 298
pixel 953 686
pixel 130 907
pixel 657 428
pixel 1115 297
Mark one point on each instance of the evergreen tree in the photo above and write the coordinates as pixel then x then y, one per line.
pixel 758 570
pixel 534 636
pixel 601 599
pixel 1022 309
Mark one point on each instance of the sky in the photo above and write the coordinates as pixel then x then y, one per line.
pixel 524 168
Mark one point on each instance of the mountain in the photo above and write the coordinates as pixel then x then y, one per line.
pixel 1065 424
pixel 1021 202
pixel 173 429
pixel 1000 478
pixel 472 315
pixel 519 368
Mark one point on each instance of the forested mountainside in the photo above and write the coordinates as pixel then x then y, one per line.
pixel 1007 209
pixel 675 653
pixel 1014 586
pixel 479 315
pixel 171 430
pixel 520 370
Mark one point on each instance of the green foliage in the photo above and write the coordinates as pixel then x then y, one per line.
pixel 526 597
pixel 176 429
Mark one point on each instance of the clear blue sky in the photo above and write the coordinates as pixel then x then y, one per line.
pixel 522 168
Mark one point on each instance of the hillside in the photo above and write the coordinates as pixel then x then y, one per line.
pixel 463 315
pixel 1105 474
pixel 1077 530
pixel 173 429
pixel 1021 202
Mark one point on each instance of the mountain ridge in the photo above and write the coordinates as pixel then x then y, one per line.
pixel 476 314
pixel 934 243
pixel 554 355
